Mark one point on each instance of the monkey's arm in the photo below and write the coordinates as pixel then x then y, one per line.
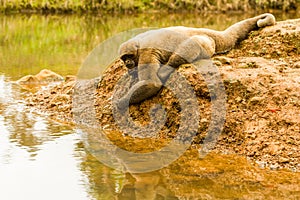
pixel 149 83
pixel 139 92
pixel 239 31
pixel 227 39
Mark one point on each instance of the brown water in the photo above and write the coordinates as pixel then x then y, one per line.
pixel 44 159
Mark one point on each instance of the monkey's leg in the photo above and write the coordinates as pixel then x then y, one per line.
pixel 195 48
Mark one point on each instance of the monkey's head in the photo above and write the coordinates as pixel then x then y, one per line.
pixel 129 60
pixel 129 53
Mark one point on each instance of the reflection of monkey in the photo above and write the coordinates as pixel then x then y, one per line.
pixel 157 53
pixel 146 186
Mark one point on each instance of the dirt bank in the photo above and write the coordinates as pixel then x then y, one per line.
pixel 262 83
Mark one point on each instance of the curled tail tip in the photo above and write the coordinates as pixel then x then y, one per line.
pixel 266 19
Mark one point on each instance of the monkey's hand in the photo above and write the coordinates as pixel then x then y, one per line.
pixel 164 72
pixel 138 92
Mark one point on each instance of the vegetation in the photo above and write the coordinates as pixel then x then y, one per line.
pixel 129 6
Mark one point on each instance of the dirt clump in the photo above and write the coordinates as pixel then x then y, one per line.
pixel 262 83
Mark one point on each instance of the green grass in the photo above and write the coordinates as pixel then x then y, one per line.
pixel 129 6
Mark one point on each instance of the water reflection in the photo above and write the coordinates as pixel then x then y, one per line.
pixel 37 159
pixel 106 183
pixel 215 177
